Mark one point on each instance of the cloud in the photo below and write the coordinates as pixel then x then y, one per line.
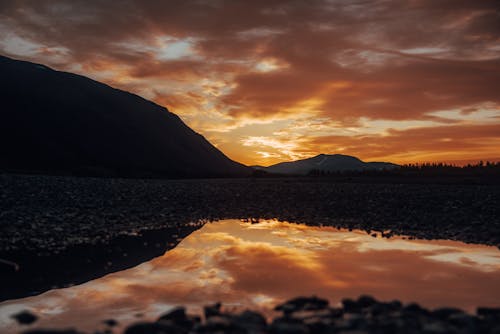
pixel 341 63
pixel 439 143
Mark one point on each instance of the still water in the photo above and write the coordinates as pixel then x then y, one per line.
pixel 259 265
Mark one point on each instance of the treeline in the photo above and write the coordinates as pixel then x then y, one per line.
pixel 422 169
pixel 440 165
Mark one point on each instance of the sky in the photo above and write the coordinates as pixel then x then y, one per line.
pixel 271 80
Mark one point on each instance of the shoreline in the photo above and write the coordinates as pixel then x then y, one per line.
pixel 47 222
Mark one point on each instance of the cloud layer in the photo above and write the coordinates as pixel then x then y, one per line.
pixel 416 80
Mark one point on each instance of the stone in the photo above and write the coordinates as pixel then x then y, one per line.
pixel 302 304
pixel 220 324
pixel 366 301
pixel 252 321
pixel 434 328
pixel 288 326
pixel 25 317
pixel 110 322
pixel 153 328
pixel 445 312
pixel 414 308
pixel 178 317
pixel 488 311
pixel 176 314
pixel 351 306
pixel 463 320
pixel 212 310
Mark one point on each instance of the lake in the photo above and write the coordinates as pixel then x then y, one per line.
pixel 245 265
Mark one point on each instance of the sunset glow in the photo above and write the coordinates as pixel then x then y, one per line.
pixel 271 81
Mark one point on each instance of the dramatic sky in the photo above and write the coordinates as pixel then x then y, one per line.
pixel 271 80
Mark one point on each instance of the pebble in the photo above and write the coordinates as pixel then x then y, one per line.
pixel 25 317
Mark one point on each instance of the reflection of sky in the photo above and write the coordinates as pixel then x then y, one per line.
pixel 245 265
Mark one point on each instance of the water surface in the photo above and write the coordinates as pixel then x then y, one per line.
pixel 258 265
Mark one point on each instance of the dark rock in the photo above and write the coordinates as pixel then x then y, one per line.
pixel 212 310
pixel 220 324
pixel 319 325
pixel 110 322
pixel 286 308
pixel 378 309
pixel 176 314
pixel 353 321
pixel 435 328
pixel 178 317
pixel 366 301
pixel 351 306
pixel 385 307
pixel 414 308
pixel 445 312
pixel 306 316
pixel 288 326
pixel 25 317
pixel 252 321
pixel 154 328
pixel 389 325
pixel 302 304
pixel 394 305
pixel 463 320
pixel 336 312
pixel 488 311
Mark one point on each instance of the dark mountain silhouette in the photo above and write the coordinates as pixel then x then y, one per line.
pixel 326 163
pixel 60 122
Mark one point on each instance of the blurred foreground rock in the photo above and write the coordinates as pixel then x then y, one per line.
pixel 312 315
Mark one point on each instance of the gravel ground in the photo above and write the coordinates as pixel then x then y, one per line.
pixel 48 214
pixel 47 223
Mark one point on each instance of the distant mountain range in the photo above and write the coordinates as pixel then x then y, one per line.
pixel 60 122
pixel 325 163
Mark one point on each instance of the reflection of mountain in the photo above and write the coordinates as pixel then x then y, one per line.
pixel 326 163
pixel 54 121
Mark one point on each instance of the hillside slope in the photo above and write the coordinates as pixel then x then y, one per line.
pixel 60 122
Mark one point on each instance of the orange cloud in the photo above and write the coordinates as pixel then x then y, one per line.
pixel 227 66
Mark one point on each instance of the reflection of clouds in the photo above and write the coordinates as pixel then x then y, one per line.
pixel 488 258
pixel 262 264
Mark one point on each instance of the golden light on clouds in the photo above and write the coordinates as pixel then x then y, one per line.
pixel 381 81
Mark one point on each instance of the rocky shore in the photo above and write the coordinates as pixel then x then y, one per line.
pixel 56 231
pixel 312 315
pixel 47 214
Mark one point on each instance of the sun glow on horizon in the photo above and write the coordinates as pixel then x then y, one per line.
pixel 290 80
